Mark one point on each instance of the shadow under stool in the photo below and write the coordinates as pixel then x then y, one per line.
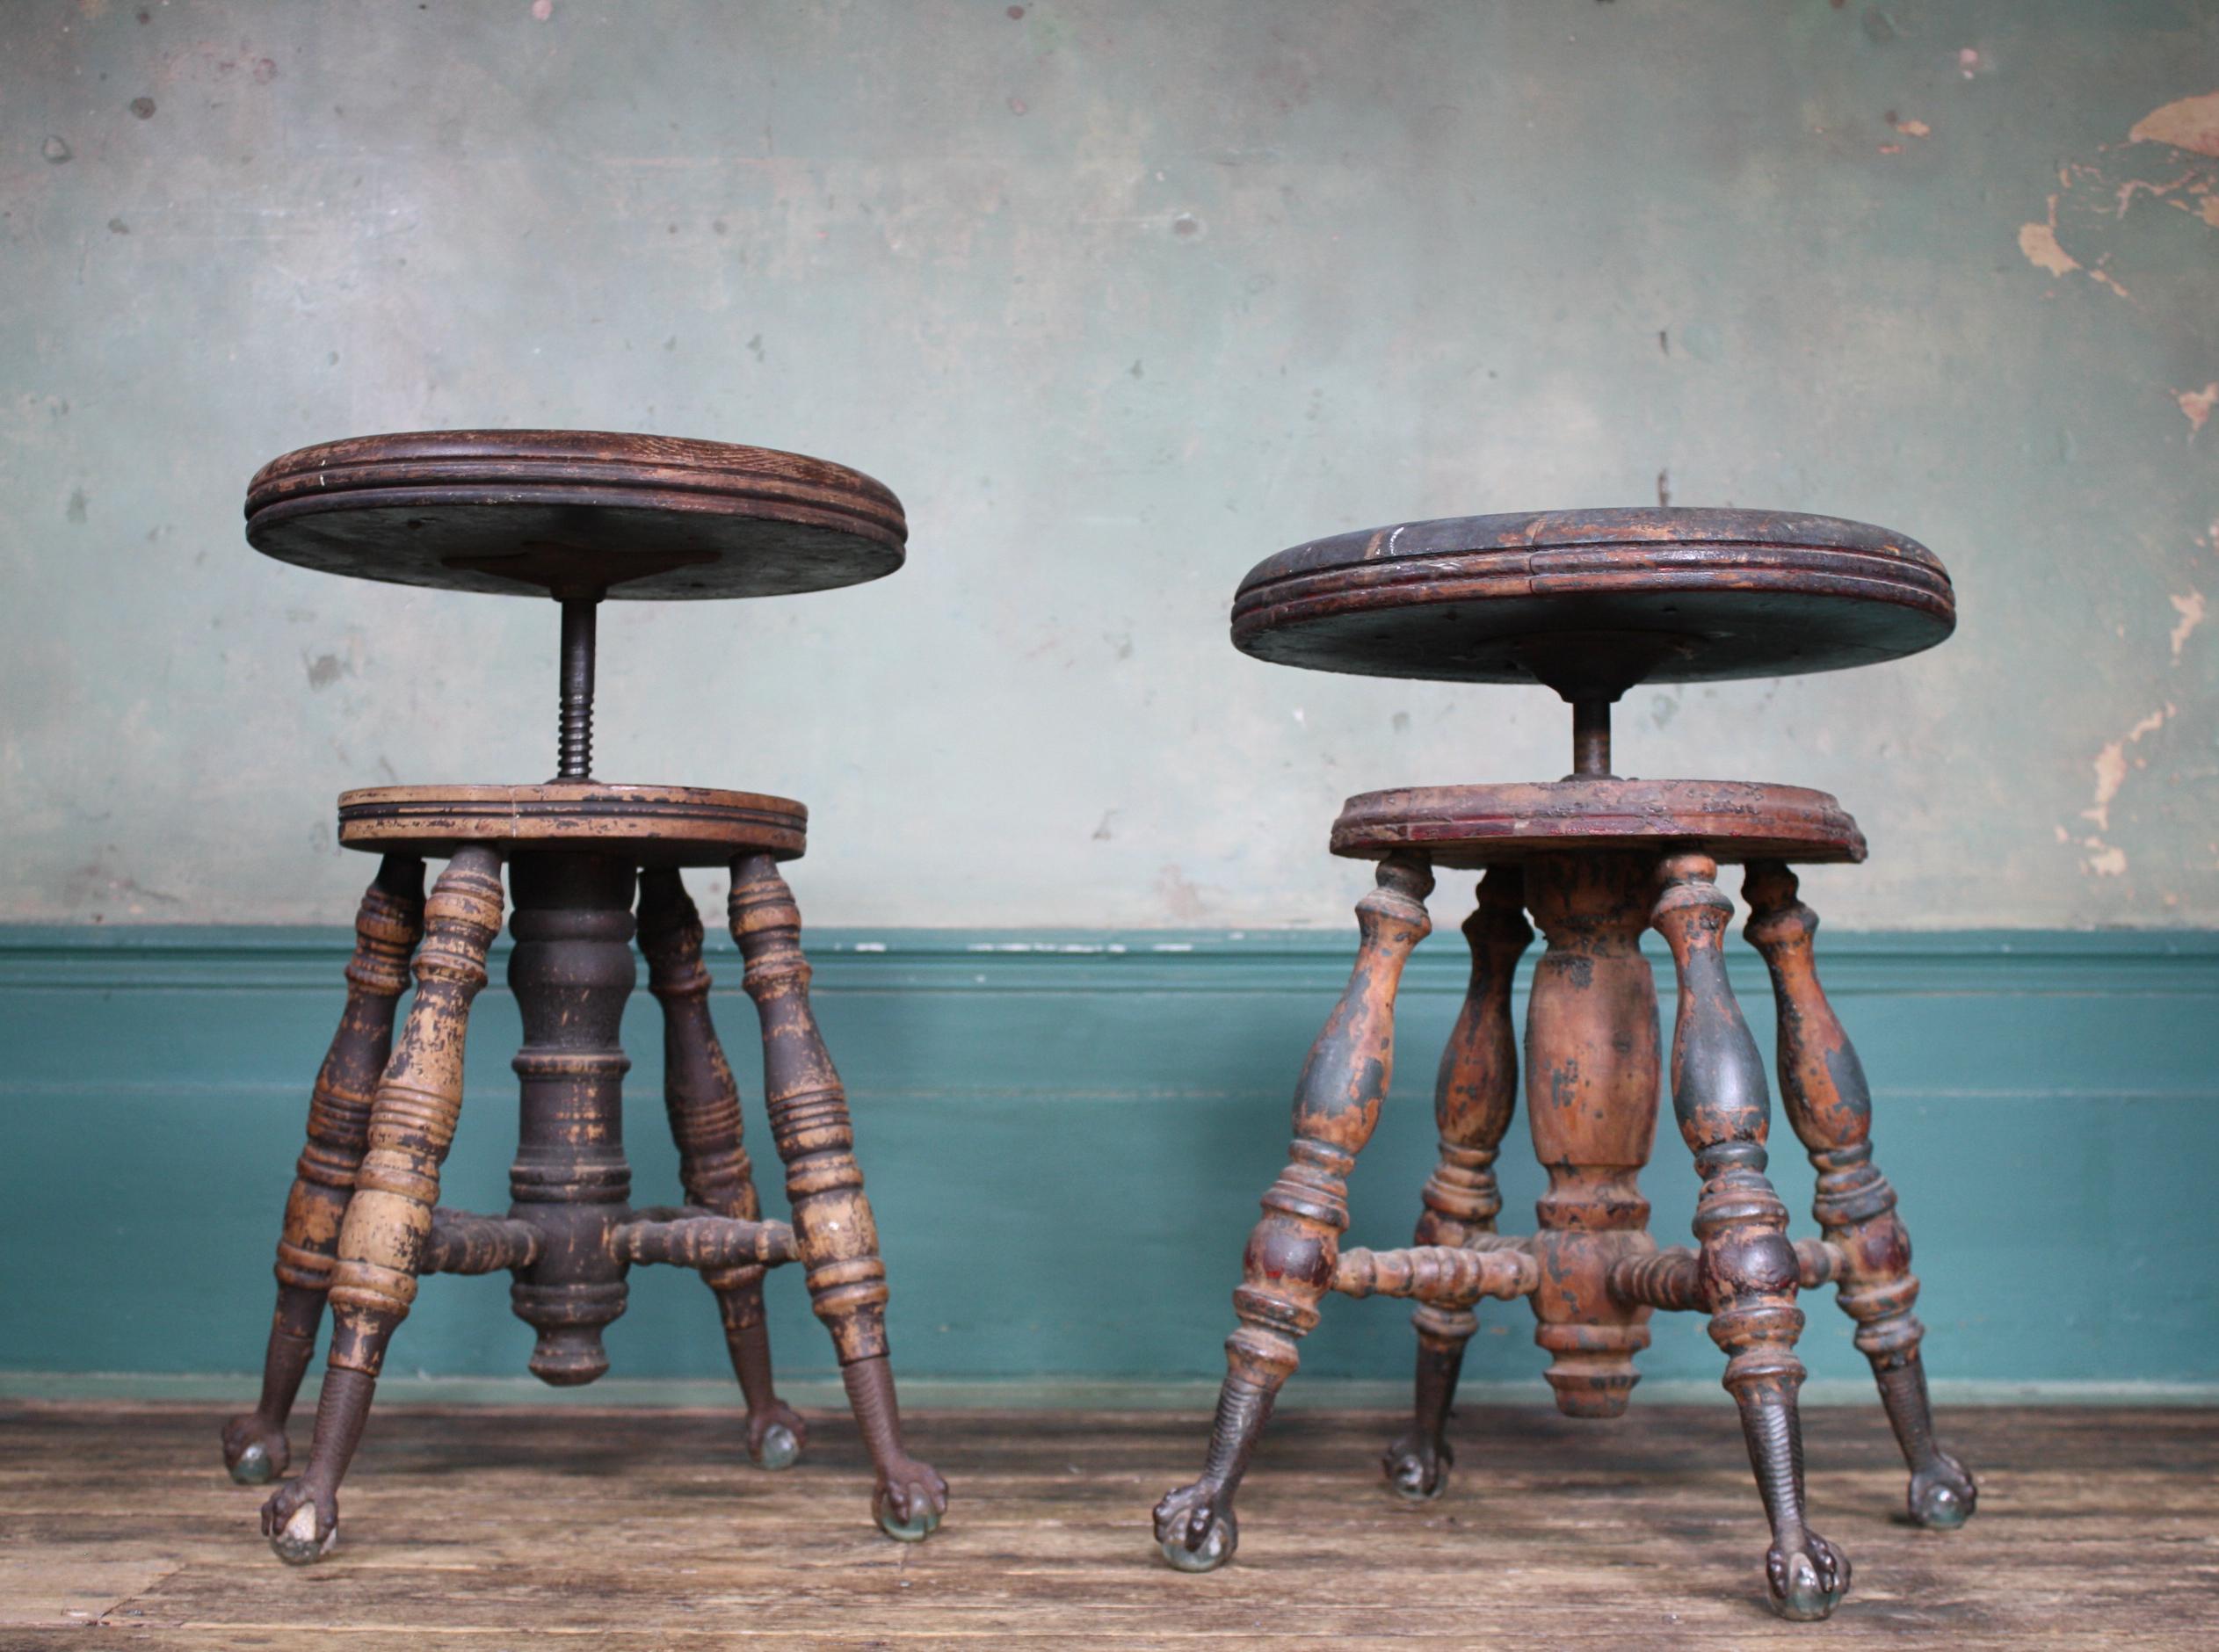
pixel 577 517
pixel 1591 604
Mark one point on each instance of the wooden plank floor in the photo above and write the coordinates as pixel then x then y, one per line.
pixel 476 1529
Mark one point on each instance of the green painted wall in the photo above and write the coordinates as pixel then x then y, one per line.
pixel 1120 297
pixel 1065 1143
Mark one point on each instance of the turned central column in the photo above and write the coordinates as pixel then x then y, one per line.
pixel 1591 1071
pixel 571 970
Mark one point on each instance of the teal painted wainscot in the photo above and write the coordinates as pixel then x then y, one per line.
pixel 1065 1138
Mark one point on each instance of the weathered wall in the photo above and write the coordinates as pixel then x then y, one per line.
pixel 1119 298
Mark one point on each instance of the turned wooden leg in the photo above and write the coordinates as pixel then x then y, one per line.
pixel 704 1105
pixel 1748 1267
pixel 382 1238
pixel 386 931
pixel 1474 1093
pixel 1591 1074
pixel 832 1226
pixel 1823 1085
pixel 1291 1252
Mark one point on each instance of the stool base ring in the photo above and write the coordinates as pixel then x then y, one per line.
pixel 650 825
pixel 1472 826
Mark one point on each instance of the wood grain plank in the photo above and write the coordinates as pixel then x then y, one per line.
pixel 639 1530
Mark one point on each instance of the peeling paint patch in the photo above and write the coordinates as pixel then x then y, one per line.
pixel 2039 242
pixel 2191 609
pixel 2112 766
pixel 2107 860
pixel 2168 159
pixel 2197 404
pixel 2187 123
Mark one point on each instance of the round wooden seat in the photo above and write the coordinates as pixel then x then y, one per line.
pixel 649 825
pixel 1594 601
pixel 1468 826
pixel 577 513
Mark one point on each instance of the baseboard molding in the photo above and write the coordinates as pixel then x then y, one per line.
pixel 820 1391
pixel 111 958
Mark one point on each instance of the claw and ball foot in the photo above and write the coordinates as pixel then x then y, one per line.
pixel 301 1524
pixel 1193 1532
pixel 302 1517
pixel 1417 1467
pixel 1943 1495
pixel 910 1496
pixel 1806 1585
pixel 909 1500
pixel 1417 1464
pixel 776 1435
pixel 255 1449
pixel 1195 1527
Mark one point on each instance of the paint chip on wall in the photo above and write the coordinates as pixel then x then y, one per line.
pixel 2187 123
pixel 2112 766
pixel 2191 609
pixel 2039 242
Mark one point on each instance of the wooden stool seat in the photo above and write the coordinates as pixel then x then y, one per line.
pixel 1596 600
pixel 575 512
pixel 1590 603
pixel 647 825
pixel 1472 826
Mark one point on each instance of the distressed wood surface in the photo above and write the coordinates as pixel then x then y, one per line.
pixel 652 825
pixel 1470 826
pixel 1748 1268
pixel 834 1230
pixel 1592 1065
pixel 388 1225
pixel 1822 1085
pixel 702 1097
pixel 1475 1094
pixel 532 512
pixel 647 1530
pixel 571 970
pixel 1287 1267
pixel 387 928
pixel 1598 600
